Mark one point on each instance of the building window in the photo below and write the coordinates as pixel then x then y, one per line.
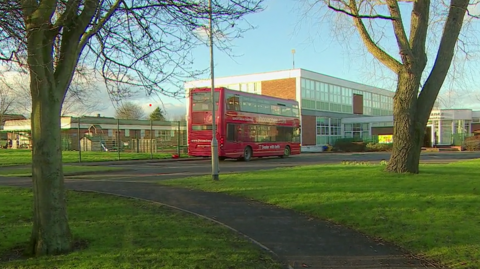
pixel 356 130
pixel 335 127
pixel 110 132
pixel 127 132
pixel 323 126
pixel 164 135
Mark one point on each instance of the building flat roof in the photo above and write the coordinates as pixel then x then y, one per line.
pixel 284 74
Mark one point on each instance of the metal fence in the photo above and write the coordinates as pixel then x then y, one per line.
pixel 96 139
pixel 127 139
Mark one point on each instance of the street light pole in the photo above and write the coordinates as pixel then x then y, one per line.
pixel 214 118
pixel 293 58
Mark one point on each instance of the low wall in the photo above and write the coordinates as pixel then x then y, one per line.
pixel 312 149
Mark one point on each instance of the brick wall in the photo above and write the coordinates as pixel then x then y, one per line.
pixel 357 104
pixel 281 88
pixel 309 130
pixel 382 130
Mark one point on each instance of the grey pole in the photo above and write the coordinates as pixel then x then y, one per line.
pixel 79 142
pixel 214 121
pixel 293 58
pixel 118 139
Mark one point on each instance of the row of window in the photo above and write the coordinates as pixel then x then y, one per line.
pixel 309 104
pixel 328 126
pixel 323 140
pixel 262 133
pixel 382 124
pixel 327 97
pixel 356 134
pixel 356 127
pixel 252 87
pixel 162 134
pixel 256 105
pixel 311 85
pixel 201 101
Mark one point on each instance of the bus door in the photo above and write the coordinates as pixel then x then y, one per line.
pixel 234 139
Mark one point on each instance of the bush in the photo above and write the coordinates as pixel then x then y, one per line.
pixel 378 147
pixel 472 143
pixel 349 145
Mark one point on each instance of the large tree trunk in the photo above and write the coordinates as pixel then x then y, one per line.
pixel 50 233
pixel 409 126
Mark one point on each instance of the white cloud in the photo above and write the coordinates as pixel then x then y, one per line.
pixel 474 9
pixel 171 106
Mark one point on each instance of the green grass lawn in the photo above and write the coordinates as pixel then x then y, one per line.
pixel 434 214
pixel 67 170
pixel 20 157
pixel 123 233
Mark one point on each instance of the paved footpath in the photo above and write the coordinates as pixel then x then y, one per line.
pixel 298 240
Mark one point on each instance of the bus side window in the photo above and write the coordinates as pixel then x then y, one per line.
pixel 233 103
pixel 232 132
pixel 230 103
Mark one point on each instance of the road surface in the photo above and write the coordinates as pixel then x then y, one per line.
pixel 146 172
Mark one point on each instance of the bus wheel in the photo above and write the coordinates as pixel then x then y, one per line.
pixel 286 152
pixel 247 154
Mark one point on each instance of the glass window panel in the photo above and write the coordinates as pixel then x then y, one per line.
pixel 276 110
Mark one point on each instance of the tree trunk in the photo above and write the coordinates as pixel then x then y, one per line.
pixel 50 233
pixel 409 127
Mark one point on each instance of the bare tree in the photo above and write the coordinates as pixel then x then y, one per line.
pixel 7 101
pixel 413 100
pixel 129 111
pixel 82 97
pixel 132 44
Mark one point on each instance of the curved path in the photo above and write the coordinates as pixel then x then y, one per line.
pixel 298 240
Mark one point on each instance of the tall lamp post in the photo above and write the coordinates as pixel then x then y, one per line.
pixel 293 58
pixel 214 118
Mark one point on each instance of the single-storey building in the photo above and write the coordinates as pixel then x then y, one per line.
pixel 105 134
pixel 444 128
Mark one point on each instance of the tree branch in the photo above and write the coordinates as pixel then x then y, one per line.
pixel 451 31
pixel 418 31
pixel 400 35
pixel 373 48
pixel 99 24
pixel 39 14
pixel 70 12
pixel 358 16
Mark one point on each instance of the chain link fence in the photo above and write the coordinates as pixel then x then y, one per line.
pixel 106 139
pixel 126 139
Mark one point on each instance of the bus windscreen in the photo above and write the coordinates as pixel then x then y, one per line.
pixel 202 101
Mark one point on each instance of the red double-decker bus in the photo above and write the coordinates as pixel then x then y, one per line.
pixel 248 125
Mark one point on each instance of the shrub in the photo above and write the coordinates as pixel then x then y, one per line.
pixel 378 147
pixel 472 143
pixel 349 145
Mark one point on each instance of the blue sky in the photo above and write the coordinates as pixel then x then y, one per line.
pixel 281 28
